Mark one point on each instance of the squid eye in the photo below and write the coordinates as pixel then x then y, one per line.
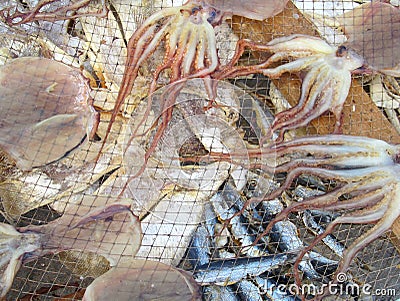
pixel 195 9
pixel 341 51
pixel 212 16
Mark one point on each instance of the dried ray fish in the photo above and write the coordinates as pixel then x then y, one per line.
pixel 20 245
pixel 57 121
pixel 143 280
pixel 24 191
pixel 373 31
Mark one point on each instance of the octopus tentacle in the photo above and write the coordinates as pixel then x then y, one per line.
pixel 356 181
pixel 291 67
pixel 360 201
pixel 366 171
pixel 341 83
pixel 144 42
pixel 325 87
pixel 62 12
pixel 369 215
pixel 315 87
pixel 338 150
pixel 385 215
pixel 184 30
pixel 347 175
pixel 300 42
pixel 190 54
pixel 208 53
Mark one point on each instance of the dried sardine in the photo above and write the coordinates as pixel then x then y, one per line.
pixel 285 234
pixel 217 292
pixel 237 226
pixel 331 241
pixel 199 248
pixel 229 271
pixel 248 291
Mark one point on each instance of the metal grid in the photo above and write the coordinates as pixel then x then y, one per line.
pixel 178 213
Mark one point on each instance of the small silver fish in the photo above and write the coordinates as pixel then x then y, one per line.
pixel 238 227
pixel 285 233
pixel 228 271
pixel 317 229
pixel 248 291
pixel 199 248
pixel 219 293
pixel 323 265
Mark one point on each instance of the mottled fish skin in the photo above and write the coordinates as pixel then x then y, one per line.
pixel 270 209
pixel 285 233
pixel 219 293
pixel 225 272
pixel 248 291
pixel 272 290
pixel 199 248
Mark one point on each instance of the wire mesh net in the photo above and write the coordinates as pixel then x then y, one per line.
pixel 174 198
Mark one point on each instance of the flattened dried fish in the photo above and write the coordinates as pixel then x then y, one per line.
pixel 46 110
pixel 70 232
pixel 143 280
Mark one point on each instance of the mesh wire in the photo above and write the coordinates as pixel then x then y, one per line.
pixel 98 47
